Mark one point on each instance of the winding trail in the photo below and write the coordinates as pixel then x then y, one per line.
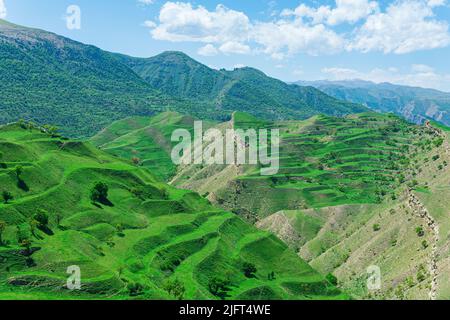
pixel 420 210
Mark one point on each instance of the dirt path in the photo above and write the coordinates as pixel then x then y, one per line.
pixel 420 210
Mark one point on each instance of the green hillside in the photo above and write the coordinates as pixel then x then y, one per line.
pixel 223 92
pixel 344 198
pixel 133 238
pixel 146 141
pixel 50 79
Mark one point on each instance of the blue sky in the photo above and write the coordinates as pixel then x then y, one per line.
pixel 404 41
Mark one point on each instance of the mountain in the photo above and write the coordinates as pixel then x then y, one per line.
pixel 133 238
pixel 223 92
pixel 50 79
pixel 352 192
pixel 414 104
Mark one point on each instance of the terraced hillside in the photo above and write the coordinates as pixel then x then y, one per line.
pixel 324 161
pixel 351 193
pixel 65 203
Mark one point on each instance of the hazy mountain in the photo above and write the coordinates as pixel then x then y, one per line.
pixel 413 103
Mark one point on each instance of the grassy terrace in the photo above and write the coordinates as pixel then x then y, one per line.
pixel 148 235
pixel 327 161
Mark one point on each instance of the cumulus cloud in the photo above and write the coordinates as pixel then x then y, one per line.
pixel 290 37
pixel 2 10
pixel 208 51
pixel 418 75
pixel 402 27
pixel 180 21
pixel 235 47
pixel 406 26
pixel 146 1
pixel 349 11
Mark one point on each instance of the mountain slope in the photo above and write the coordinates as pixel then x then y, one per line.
pixel 350 193
pixel 51 79
pixel 414 104
pixel 142 240
pixel 244 89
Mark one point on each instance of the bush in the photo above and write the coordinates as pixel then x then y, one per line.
pixel 135 289
pixel 7 196
pixel 376 227
pixel 332 279
pixel 420 232
pixel 249 269
pixel 42 218
pixel 218 287
pixel 100 193
pixel 175 288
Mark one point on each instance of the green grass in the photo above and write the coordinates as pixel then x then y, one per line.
pixel 149 234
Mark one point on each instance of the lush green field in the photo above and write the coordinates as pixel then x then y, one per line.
pixel 143 240
pixel 340 198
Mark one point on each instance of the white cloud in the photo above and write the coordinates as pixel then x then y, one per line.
pixel 406 26
pixel 150 24
pixel 182 22
pixel 147 2
pixel 208 51
pixel 2 10
pixel 419 75
pixel 350 11
pixel 436 3
pixel 235 47
pixel 291 37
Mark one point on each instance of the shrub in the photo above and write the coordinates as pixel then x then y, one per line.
pixel 135 289
pixel 420 232
pixel 376 227
pixel 249 269
pixel 100 193
pixel 218 287
pixel 175 288
pixel 42 218
pixel 7 196
pixel 2 229
pixel 332 279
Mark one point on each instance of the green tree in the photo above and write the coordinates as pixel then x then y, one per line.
pixel 100 193
pixel 7 196
pixel 332 279
pixel 249 269
pixel 420 232
pixel 19 171
pixel 135 289
pixel 175 288
pixel 218 287
pixel 42 218
pixel 2 229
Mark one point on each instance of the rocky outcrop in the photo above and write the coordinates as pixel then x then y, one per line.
pixel 420 210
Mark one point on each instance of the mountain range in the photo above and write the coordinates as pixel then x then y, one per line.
pixel 80 88
pixel 413 103
pixel 355 189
